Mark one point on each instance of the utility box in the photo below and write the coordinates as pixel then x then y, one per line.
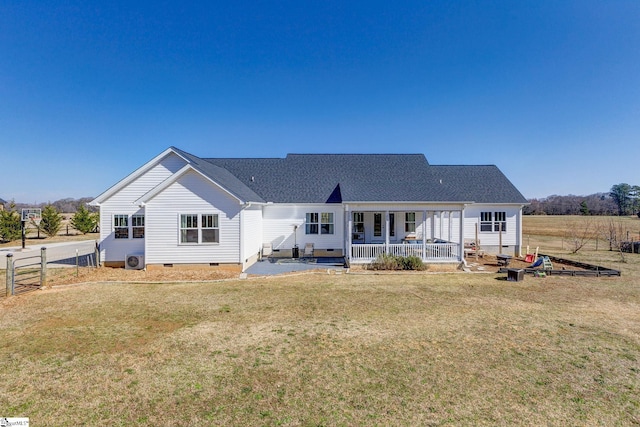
pixel 515 275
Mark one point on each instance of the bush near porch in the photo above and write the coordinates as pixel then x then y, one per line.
pixel 394 262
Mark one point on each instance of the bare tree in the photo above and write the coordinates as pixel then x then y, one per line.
pixel 614 233
pixel 581 232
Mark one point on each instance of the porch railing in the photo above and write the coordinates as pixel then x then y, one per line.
pixel 434 252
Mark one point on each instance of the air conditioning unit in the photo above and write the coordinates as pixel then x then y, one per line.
pixel 134 262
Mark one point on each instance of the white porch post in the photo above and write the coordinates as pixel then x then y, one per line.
pixel 349 228
pixel 461 253
pixel 518 248
pixel 450 226
pixel 424 235
pixel 386 232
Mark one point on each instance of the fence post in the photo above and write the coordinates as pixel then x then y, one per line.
pixel 43 267
pixel 97 255
pixel 9 274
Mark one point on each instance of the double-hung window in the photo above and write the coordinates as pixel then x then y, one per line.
pixel 311 223
pixel 358 222
pixel 199 228
pixel 210 230
pixel 377 224
pixel 137 226
pixel 121 226
pixel 189 228
pixel 500 221
pixel 410 222
pixel 319 223
pixel 326 223
pixel 493 221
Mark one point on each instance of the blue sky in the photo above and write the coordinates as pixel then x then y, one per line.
pixel 549 91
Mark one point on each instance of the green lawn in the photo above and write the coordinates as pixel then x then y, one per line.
pixel 318 349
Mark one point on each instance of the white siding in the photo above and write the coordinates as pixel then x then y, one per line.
pixel 122 203
pixel 490 241
pixel 191 194
pixel 251 231
pixel 279 222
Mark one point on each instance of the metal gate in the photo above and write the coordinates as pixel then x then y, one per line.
pixel 25 274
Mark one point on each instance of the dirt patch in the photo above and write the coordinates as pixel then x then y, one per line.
pixel 490 263
pixel 63 276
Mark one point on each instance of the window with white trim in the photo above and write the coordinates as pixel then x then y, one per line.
pixel 377 224
pixel 311 223
pixel 358 222
pixel 210 232
pixel 137 226
pixel 189 228
pixel 409 222
pixel 319 223
pixel 121 226
pixel 199 229
pixel 326 223
pixel 493 221
pixel 500 221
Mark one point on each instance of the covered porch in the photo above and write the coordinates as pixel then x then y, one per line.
pixel 432 234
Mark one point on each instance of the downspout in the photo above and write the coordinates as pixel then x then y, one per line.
pixel 243 260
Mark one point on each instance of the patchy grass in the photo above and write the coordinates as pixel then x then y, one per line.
pixel 412 349
pixel 318 349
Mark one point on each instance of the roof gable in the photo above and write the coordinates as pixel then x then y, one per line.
pixel 216 174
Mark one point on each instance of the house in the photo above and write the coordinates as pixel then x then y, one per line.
pixel 179 209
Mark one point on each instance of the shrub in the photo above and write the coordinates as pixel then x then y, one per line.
pixel 10 225
pixel 84 221
pixel 392 262
pixel 413 263
pixel 51 221
pixel 386 262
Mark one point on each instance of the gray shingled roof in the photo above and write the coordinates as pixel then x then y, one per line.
pixel 326 178
pixel 222 176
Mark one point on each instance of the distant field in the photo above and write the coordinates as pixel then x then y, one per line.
pixel 319 349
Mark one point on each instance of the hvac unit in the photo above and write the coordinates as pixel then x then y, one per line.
pixel 134 262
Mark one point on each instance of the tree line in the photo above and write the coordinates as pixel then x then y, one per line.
pixel 82 220
pixel 622 199
pixel 68 205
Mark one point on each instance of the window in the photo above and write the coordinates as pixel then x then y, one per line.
pixel 377 225
pixel 202 228
pixel 358 222
pixel 486 222
pixel 500 221
pixel 137 223
pixel 319 223
pixel 326 223
pixel 493 221
pixel 189 228
pixel 409 222
pixel 210 229
pixel 392 224
pixel 311 226
pixel 121 226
